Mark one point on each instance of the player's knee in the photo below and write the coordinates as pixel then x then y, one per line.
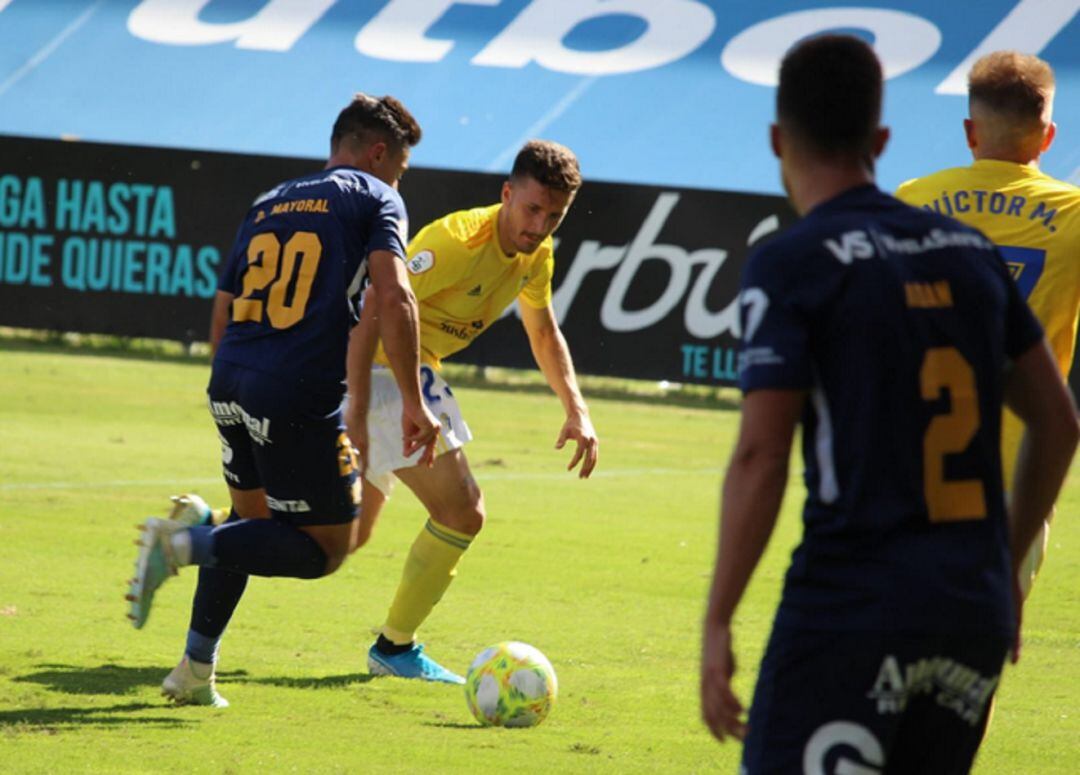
pixel 361 537
pixel 468 519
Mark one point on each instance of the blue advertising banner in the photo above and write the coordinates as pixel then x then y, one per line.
pixel 661 92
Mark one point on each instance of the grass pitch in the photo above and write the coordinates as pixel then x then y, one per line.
pixel 606 576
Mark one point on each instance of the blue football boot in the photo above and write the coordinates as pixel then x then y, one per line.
pixel 413 663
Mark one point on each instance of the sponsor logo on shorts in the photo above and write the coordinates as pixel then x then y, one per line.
pixel 955 686
pixel 226 451
pixel 830 749
pixel 227 413
pixel 292 507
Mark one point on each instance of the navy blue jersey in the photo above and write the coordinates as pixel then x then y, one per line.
pixel 297 270
pixel 900 324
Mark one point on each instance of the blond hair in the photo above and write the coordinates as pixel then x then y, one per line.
pixel 1013 91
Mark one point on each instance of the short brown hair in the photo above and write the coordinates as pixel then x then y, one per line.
pixel 369 119
pixel 549 164
pixel 1018 87
pixel 830 95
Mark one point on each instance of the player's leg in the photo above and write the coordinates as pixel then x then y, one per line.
pixel 311 488
pixel 950 686
pixel 372 500
pixel 312 494
pixel 456 508
pixel 218 590
pixel 813 708
pixel 434 555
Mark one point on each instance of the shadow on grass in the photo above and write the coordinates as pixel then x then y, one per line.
pixel 453 725
pixel 104 679
pixel 52 720
pixel 307 682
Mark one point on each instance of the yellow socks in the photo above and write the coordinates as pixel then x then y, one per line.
pixel 429 569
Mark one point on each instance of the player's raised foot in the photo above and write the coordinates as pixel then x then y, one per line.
pixel 185 687
pixel 190 510
pixel 153 565
pixel 413 663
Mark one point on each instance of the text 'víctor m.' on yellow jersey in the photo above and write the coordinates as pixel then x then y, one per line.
pixel 464 282
pixel 1034 220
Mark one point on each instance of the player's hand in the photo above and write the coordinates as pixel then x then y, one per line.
pixel 357 430
pixel 579 428
pixel 420 430
pixel 720 708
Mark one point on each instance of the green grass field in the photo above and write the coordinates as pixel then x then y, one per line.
pixel 606 576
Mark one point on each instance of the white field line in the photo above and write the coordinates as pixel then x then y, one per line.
pixel 481 475
pixel 49 48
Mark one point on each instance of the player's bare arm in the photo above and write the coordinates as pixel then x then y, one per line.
pixel 398 323
pixel 753 491
pixel 219 318
pixel 553 357
pixel 1037 394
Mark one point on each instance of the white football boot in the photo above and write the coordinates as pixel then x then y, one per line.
pixel 184 686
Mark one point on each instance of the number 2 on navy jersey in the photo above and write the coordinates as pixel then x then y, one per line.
pixel 290 288
pixel 950 433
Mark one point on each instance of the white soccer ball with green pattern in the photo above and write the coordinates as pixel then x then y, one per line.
pixel 510 684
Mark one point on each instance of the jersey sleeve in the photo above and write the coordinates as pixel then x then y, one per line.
pixel 389 225
pixel 229 276
pixel 774 347
pixel 537 291
pixel 432 257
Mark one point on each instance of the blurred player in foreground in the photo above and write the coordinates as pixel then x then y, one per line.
pixel 1033 218
pixel 288 299
pixel 466 269
pixel 894 334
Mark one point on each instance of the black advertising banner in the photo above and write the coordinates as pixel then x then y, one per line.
pixel 127 240
pixel 120 240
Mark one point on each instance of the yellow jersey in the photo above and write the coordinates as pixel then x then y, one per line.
pixel 464 282
pixel 1035 221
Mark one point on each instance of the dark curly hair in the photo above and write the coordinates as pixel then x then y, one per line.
pixel 369 119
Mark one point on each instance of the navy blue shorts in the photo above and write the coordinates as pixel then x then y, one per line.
pixel 288 439
pixel 829 702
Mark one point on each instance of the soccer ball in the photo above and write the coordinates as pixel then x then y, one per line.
pixel 510 684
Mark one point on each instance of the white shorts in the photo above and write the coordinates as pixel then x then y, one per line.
pixel 384 424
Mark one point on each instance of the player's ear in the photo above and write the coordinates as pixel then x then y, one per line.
pixel 1048 138
pixel 774 140
pixel 881 139
pixel 969 132
pixel 506 192
pixel 377 153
